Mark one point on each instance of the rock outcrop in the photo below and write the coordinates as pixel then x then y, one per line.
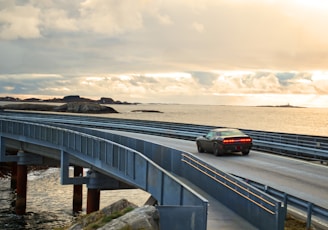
pixel 84 107
pixel 67 99
pixel 120 215
pixel 146 218
pixel 71 107
pixel 29 106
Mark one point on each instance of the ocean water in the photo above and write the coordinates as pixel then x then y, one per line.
pixel 309 121
pixel 49 204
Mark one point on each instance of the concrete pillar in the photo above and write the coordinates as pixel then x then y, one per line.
pixel 77 191
pixel 21 189
pixel 13 181
pixel 93 200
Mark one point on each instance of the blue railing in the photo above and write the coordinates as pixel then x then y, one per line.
pixel 293 145
pixel 116 161
pixel 266 212
pixel 309 210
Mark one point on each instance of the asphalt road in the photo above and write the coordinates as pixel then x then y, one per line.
pixel 305 180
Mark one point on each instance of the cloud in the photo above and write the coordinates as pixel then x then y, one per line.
pixel 164 50
pixel 197 87
pixel 175 36
pixel 19 22
pixel 111 17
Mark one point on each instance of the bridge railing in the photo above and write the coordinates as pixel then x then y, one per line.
pixel 309 210
pixel 293 145
pixel 264 212
pixel 174 198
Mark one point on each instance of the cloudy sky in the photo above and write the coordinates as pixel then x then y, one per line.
pixel 225 52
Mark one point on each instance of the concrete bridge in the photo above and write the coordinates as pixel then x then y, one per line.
pixel 117 161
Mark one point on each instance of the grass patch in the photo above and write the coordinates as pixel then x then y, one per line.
pixel 291 223
pixel 106 219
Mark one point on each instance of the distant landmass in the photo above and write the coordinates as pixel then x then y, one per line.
pixel 66 99
pixel 72 104
pixel 281 106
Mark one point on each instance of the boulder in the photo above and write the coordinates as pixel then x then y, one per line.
pixel 120 215
pixel 146 218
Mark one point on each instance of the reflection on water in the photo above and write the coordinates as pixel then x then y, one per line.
pixel 49 204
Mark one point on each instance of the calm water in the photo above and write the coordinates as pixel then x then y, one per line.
pixel 310 121
pixel 49 204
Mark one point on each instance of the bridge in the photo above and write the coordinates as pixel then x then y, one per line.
pixel 117 161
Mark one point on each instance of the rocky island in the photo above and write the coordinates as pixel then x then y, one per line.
pixel 72 104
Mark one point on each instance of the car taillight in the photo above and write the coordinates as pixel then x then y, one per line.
pixel 229 141
pixel 246 140
pixel 243 140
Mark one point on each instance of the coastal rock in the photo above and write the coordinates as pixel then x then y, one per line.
pixel 67 99
pixel 146 218
pixel 71 107
pixel 145 111
pixel 84 107
pixel 120 215
pixel 28 106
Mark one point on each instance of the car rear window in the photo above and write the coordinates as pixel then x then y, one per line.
pixel 231 133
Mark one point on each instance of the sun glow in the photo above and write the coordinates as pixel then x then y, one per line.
pixel 319 75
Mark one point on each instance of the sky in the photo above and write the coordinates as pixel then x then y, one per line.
pixel 218 52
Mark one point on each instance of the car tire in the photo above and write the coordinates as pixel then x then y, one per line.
pixel 216 150
pixel 200 148
pixel 245 152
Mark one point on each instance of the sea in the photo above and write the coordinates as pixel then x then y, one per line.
pixel 49 204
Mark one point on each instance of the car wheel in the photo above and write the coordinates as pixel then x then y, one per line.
pixel 200 148
pixel 246 152
pixel 216 150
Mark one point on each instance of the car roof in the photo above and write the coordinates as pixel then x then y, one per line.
pixel 223 129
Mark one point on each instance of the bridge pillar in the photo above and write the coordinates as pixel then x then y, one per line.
pixel 20 206
pixel 93 194
pixel 24 159
pixel 97 182
pixel 77 191
pixel 13 181
pixel 93 200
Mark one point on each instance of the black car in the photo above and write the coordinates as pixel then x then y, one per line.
pixel 224 140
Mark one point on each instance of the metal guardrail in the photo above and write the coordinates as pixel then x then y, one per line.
pixel 292 145
pixel 308 210
pixel 266 212
pixel 118 161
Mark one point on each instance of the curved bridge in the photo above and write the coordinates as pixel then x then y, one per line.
pixel 112 159
pixel 113 166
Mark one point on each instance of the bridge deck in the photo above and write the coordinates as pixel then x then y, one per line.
pixel 219 216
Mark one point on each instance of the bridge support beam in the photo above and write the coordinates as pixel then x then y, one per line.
pixel 77 191
pixel 93 200
pixel 13 181
pixel 20 206
pixel 24 159
pixel 96 183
